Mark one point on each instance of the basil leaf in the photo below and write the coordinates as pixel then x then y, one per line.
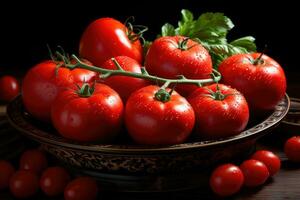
pixel 167 30
pixel 245 42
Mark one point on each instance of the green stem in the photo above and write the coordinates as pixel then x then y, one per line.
pixel 105 73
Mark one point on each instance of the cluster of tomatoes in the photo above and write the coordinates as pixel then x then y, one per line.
pixel 84 107
pixel 227 179
pixel 34 174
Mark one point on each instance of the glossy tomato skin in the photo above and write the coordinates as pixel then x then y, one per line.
pixel 226 180
pixel 106 38
pixel 88 119
pixel 6 171
pixel 123 85
pixel 81 188
pixel 255 172
pixel 33 160
pixel 165 59
pixel 9 88
pixel 24 184
pixel 271 160
pixel 219 118
pixel 41 84
pixel 263 85
pixel 292 149
pixel 150 121
pixel 54 180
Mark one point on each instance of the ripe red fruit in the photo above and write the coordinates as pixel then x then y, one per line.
pixel 292 149
pixel 226 180
pixel 24 184
pixel 54 180
pixel 81 188
pixel 255 172
pixel 6 171
pixel 9 88
pixel 271 160
pixel 33 160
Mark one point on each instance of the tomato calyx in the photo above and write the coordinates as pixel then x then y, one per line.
pixel 258 60
pixel 135 32
pixel 182 44
pixel 217 95
pixel 162 95
pixel 85 90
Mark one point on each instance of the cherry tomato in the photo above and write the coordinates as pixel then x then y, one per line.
pixel 54 180
pixel 220 111
pixel 33 160
pixel 43 82
pixel 271 161
pixel 122 84
pixel 106 38
pixel 151 120
pixel 255 172
pixel 172 56
pixel 292 149
pixel 6 171
pixel 81 188
pixel 89 114
pixel 9 88
pixel 263 83
pixel 24 184
pixel 226 180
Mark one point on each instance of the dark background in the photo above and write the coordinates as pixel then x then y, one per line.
pixel 27 27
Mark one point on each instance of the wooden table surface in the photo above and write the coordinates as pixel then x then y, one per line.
pixel 284 185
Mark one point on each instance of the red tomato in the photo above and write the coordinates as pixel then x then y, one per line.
pixel 9 88
pixel 106 38
pixel 6 171
pixel 272 161
pixel 54 180
pixel 255 172
pixel 88 115
pixel 169 57
pixel 219 113
pixel 152 121
pixel 24 184
pixel 122 84
pixel 33 160
pixel 226 180
pixel 81 188
pixel 263 84
pixel 41 85
pixel 292 149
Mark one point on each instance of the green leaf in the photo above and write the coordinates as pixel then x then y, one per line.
pixel 186 24
pixel 187 16
pixel 146 46
pixel 212 26
pixel 247 42
pixel 167 30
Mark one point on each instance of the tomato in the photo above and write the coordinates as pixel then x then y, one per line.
pixel 9 88
pixel 292 149
pixel 226 180
pixel 33 160
pixel 41 85
pixel 105 38
pixel 220 111
pixel 263 84
pixel 54 180
pixel 169 57
pixel 90 114
pixel 6 171
pixel 24 184
pixel 81 188
pixel 122 84
pixel 271 161
pixel 150 120
pixel 255 172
